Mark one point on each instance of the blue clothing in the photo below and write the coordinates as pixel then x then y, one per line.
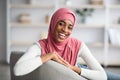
pixel 112 76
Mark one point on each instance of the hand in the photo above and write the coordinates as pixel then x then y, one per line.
pixel 59 59
pixel 69 65
pixel 53 56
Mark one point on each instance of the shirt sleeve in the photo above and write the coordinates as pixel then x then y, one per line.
pixel 29 61
pixel 95 70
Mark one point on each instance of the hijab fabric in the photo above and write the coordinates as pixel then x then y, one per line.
pixel 67 49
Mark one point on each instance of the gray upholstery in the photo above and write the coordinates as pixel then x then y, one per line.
pixel 48 71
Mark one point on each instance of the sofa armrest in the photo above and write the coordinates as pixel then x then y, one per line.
pixel 51 70
pixel 13 59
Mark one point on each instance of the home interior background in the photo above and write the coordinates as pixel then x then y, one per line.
pixel 28 21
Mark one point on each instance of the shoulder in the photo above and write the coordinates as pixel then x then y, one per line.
pixel 42 42
pixel 34 46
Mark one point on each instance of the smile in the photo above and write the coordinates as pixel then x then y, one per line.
pixel 62 36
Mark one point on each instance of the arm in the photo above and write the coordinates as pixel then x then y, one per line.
pixel 53 56
pixel 29 61
pixel 32 59
pixel 95 70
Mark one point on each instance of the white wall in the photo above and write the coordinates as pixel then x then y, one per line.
pixel 2 30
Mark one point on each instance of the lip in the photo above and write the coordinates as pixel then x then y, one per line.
pixel 62 36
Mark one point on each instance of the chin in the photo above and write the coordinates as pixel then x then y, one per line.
pixel 60 41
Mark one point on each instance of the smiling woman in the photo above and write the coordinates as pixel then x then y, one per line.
pixel 60 47
pixel 62 30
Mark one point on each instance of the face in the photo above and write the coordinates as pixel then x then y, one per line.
pixel 62 30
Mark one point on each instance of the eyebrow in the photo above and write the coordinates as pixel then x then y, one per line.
pixel 65 22
pixel 62 21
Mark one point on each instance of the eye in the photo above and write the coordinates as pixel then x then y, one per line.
pixel 61 23
pixel 70 27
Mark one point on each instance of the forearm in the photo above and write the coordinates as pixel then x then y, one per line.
pixel 25 67
pixel 53 56
pixel 29 61
pixel 93 74
pixel 95 70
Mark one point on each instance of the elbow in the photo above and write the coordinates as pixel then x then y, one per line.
pixel 101 75
pixel 104 76
pixel 17 72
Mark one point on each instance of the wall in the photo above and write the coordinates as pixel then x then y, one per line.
pixel 2 30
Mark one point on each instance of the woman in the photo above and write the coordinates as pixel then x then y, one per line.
pixel 62 48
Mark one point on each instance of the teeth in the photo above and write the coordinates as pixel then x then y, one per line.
pixel 62 34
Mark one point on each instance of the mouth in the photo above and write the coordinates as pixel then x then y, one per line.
pixel 62 36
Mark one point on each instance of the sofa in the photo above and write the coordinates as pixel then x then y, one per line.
pixel 50 70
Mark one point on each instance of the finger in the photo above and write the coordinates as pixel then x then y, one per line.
pixel 61 59
pixel 64 62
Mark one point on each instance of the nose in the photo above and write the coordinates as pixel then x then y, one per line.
pixel 65 28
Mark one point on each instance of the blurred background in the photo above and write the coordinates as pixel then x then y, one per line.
pixel 23 22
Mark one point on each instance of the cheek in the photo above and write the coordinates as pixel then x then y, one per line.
pixel 55 32
pixel 58 28
pixel 70 32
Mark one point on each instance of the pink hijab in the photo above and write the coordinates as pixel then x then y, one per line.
pixel 69 48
